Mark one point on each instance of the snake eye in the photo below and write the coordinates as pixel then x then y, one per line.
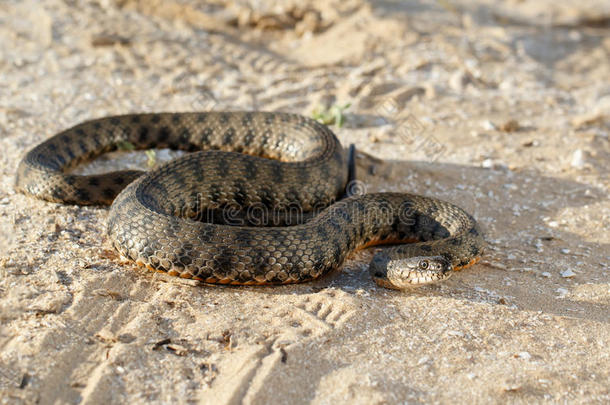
pixel 423 264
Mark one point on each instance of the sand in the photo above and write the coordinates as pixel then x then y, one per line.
pixel 502 107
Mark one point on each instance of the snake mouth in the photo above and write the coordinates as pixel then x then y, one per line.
pixel 409 272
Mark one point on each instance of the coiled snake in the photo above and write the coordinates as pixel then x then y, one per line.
pixel 194 216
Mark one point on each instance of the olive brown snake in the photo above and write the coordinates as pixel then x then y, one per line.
pixel 254 165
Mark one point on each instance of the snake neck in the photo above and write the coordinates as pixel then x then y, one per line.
pixel 421 226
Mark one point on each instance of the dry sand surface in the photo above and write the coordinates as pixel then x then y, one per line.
pixel 502 107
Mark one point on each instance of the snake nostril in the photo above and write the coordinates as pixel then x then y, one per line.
pixel 378 274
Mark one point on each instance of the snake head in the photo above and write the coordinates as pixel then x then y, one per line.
pixel 404 272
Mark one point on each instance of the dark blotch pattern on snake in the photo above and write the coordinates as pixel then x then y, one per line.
pixel 194 217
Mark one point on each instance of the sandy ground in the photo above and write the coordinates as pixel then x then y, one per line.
pixel 502 107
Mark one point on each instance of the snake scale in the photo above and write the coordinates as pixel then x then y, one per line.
pixel 219 214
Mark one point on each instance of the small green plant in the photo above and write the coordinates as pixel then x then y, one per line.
pixel 125 146
pixel 331 116
pixel 151 154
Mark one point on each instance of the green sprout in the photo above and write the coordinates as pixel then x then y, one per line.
pixel 331 116
pixel 151 154
pixel 125 146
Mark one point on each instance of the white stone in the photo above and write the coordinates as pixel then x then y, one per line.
pixel 578 159
pixel 488 125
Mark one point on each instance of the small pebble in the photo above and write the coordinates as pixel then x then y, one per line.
pixel 546 274
pixel 565 251
pixel 523 355
pixel 487 163
pixel 567 273
pixel 490 164
pixel 488 125
pixel 528 144
pixel 459 80
pixel 578 159
pixel 510 126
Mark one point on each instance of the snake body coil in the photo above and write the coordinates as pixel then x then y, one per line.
pixel 194 216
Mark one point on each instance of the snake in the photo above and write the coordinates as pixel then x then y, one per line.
pixel 260 199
